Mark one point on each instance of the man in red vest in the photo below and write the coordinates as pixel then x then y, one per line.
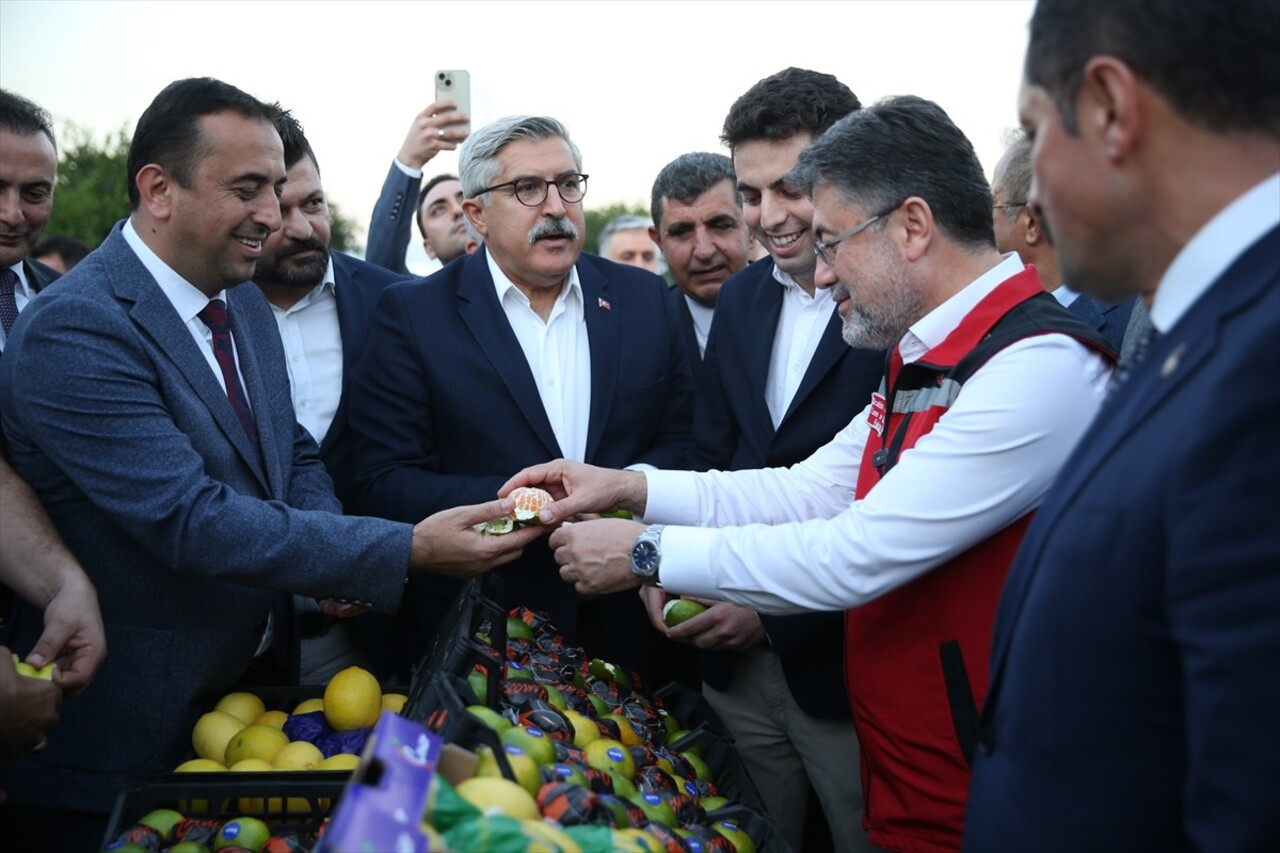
pixel 909 518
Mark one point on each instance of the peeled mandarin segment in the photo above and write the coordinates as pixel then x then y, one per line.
pixel 529 501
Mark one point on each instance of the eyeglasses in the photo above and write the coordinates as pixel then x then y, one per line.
pixel 532 191
pixel 1009 205
pixel 826 250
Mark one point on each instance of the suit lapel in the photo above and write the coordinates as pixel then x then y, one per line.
pixel 352 315
pixel 1170 361
pixel 603 337
pixel 482 314
pixel 829 350
pixel 763 310
pixel 154 314
pixel 255 387
pixel 1088 310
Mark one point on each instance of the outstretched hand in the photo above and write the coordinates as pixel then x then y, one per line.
pixel 448 544
pixel 579 489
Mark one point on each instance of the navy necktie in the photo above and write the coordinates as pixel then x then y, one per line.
pixel 214 316
pixel 8 303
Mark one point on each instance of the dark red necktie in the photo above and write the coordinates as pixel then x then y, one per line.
pixel 214 316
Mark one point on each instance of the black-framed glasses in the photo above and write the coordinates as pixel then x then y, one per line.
pixel 826 250
pixel 532 191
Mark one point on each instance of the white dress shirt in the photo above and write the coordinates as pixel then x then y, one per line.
pixel 559 355
pixel 801 323
pixel 810 546
pixel 1213 249
pixel 702 317
pixel 312 341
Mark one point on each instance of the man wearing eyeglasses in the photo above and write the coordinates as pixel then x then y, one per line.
pixel 526 351
pixel 910 516
pixel 1021 228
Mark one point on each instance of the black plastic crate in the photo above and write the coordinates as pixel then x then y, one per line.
pixel 757 824
pixel 727 770
pixel 691 709
pixel 295 803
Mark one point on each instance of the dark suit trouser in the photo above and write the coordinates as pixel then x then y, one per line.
pixel 51 830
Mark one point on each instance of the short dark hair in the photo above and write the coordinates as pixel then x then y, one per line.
pixel 294 138
pixel 168 133
pixel 24 118
pixel 789 102
pixel 1214 61
pixel 71 250
pixel 901 147
pixel 422 196
pixel 689 176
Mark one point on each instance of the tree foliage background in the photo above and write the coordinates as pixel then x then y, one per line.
pixel 92 192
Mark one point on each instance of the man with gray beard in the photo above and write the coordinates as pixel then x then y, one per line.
pixel 526 351
pixel 909 517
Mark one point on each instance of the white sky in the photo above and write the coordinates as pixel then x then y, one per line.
pixel 638 83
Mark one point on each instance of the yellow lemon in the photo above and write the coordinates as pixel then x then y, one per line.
pixel 585 729
pixel 197 765
pixel 245 707
pixel 261 742
pixel 306 706
pixel 394 702
pixel 298 755
pixel 250 765
pixel 352 700
pixel 341 761
pixel 275 719
pixel 490 794
pixel 212 732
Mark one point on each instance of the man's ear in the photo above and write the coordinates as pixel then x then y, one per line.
pixel 1108 107
pixel 1032 233
pixel 156 191
pixel 653 235
pixel 474 211
pixel 915 227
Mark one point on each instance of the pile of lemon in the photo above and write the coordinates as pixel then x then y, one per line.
pixel 240 734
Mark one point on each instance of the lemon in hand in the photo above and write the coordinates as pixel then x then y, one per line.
pixel 352 700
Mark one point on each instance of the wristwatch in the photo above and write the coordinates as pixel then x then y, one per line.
pixel 646 555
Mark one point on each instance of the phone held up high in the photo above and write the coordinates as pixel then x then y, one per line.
pixel 455 86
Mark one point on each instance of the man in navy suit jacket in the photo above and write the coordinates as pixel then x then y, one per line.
pixel 323 302
pixel 522 353
pixel 1021 228
pixel 1134 700
pixel 174 469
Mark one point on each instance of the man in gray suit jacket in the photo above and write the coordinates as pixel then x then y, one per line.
pixel 146 401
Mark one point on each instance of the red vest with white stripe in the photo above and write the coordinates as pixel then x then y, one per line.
pixel 916 658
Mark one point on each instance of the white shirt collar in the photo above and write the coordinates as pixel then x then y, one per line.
pixel 570 295
pixel 934 327
pixel 187 299
pixel 24 286
pixel 1213 249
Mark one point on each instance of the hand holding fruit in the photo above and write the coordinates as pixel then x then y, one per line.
pixel 580 489
pixel 28 708
pixel 73 635
pixel 595 556
pixel 722 626
pixel 447 543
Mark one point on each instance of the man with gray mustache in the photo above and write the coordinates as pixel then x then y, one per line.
pixel 526 351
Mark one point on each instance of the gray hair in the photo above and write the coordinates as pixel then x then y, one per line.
pixel 478 164
pixel 687 177
pixel 1014 171
pixel 623 222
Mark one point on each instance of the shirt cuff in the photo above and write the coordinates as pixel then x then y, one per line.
pixel 672 498
pixel 408 170
pixel 686 561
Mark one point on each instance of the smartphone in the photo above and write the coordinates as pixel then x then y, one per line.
pixel 455 86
